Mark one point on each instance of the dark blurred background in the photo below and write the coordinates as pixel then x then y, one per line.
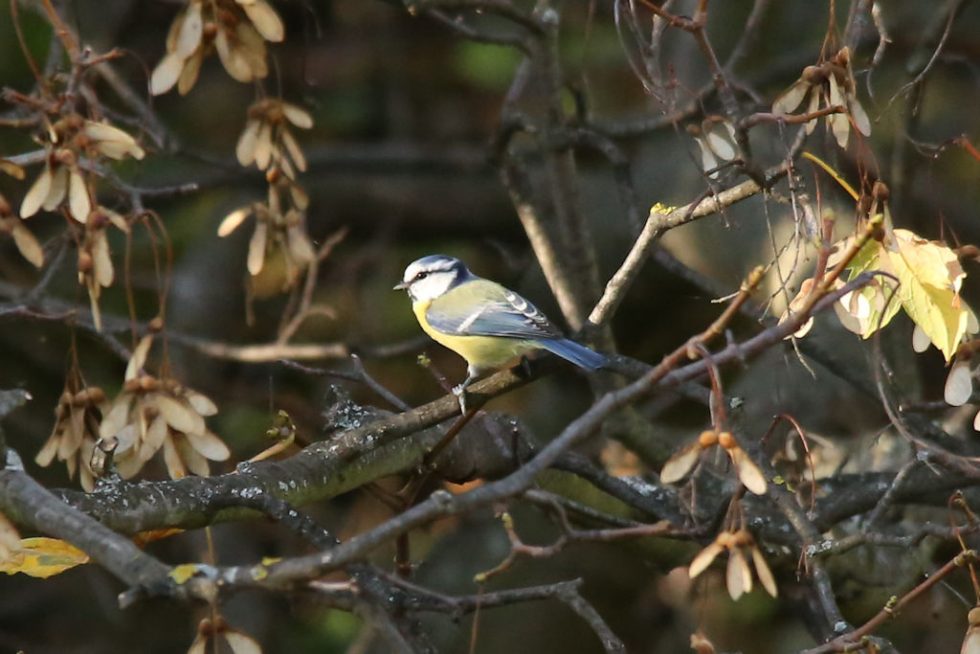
pixel 400 155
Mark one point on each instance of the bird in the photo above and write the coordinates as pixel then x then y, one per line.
pixel 482 321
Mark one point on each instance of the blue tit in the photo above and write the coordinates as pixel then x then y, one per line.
pixel 480 320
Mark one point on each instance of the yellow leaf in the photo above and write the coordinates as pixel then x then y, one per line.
pixel 867 309
pixel 44 557
pixel 931 276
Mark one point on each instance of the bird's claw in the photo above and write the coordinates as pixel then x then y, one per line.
pixel 460 392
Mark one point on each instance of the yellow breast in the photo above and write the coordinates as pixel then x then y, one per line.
pixel 481 352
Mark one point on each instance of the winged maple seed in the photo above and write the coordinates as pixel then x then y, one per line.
pixel 280 230
pixel 716 140
pixel 62 179
pixel 95 269
pixel 830 84
pixel 700 644
pixel 222 638
pixel 971 642
pixel 236 29
pixel 9 539
pixel 267 141
pixel 683 461
pixel 25 241
pixel 741 548
pixel 151 414
pixel 75 431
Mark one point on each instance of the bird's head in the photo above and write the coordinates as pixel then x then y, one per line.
pixel 429 277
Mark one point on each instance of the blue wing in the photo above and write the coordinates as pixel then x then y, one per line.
pixel 484 308
pixel 575 353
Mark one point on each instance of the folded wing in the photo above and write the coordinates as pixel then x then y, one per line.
pixel 484 308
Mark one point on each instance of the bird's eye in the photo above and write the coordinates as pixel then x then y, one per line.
pixel 421 275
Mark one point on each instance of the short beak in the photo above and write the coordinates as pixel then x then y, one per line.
pixel 400 286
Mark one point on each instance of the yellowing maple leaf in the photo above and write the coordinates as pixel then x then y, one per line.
pixel 43 557
pixel 930 276
pixel 872 306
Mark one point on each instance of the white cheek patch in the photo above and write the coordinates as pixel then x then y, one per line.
pixel 431 287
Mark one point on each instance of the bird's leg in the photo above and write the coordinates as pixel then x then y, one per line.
pixel 460 390
pixel 523 368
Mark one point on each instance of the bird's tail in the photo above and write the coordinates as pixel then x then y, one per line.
pixel 572 352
